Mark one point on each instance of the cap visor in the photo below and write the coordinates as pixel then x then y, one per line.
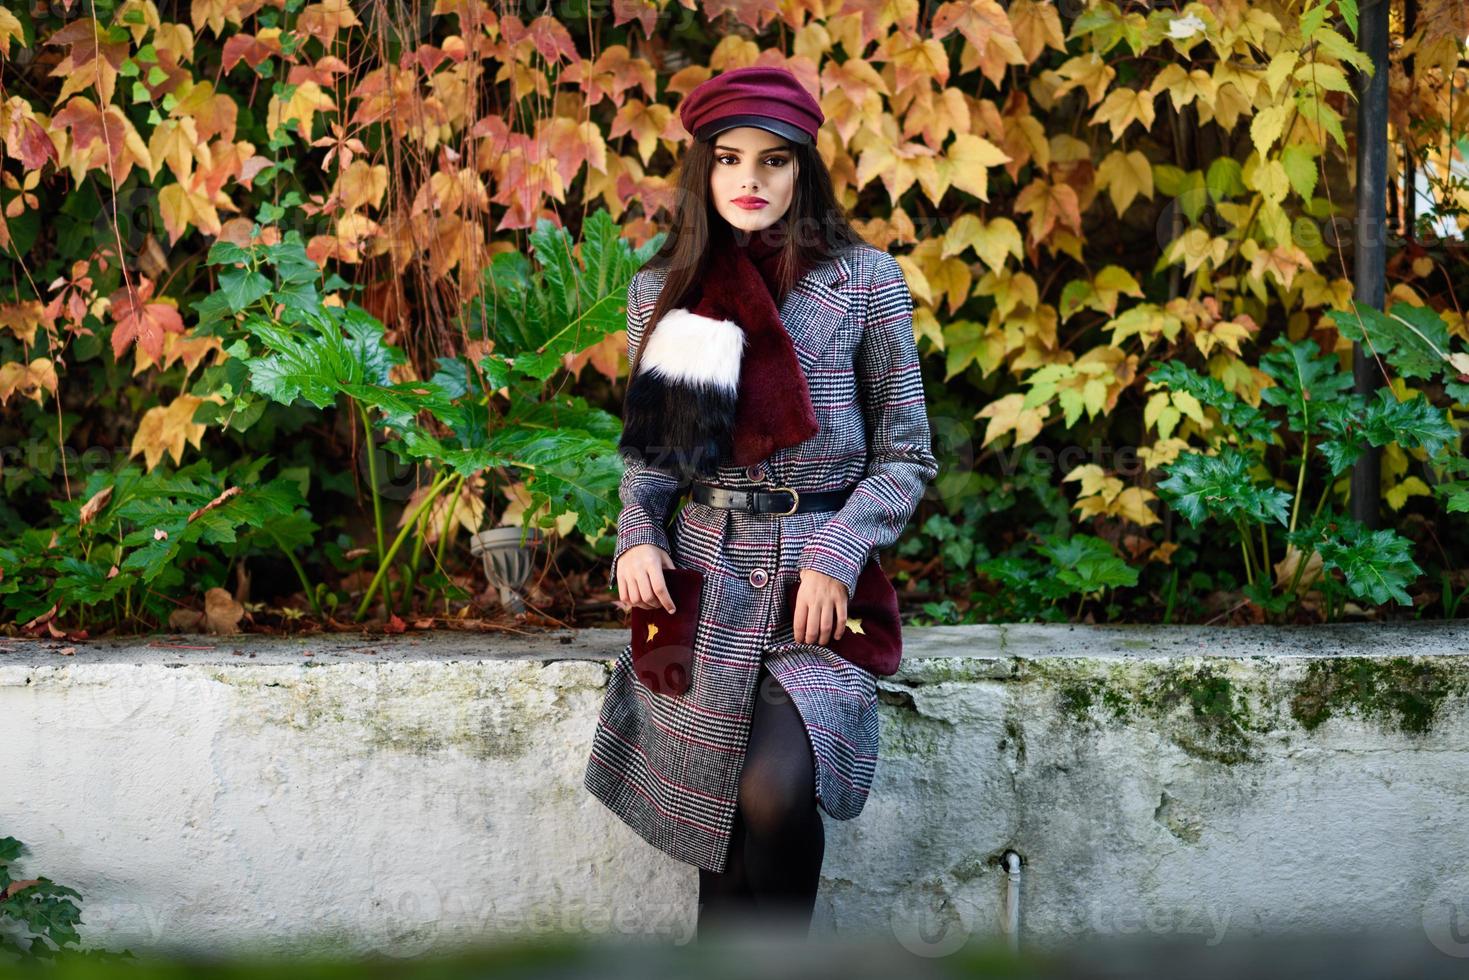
pixel 777 126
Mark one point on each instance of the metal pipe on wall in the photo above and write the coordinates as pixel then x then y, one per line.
pixel 1371 232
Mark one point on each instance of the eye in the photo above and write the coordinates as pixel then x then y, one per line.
pixel 769 161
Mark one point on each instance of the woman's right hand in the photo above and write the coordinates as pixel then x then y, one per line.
pixel 640 578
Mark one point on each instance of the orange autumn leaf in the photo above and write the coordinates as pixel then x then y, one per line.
pixel 101 139
pixel 754 14
pixel 142 321
pixel 987 28
pixel 1048 205
pixel 324 21
pixel 24 136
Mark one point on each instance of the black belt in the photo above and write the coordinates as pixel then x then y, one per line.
pixel 777 500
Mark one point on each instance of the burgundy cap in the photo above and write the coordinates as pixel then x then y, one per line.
pixel 769 98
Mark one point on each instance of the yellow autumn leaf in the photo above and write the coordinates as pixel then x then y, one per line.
pixel 1223 333
pixel 998 239
pixel 971 157
pixel 303 104
pixel 1267 126
pixel 166 429
pixel 1010 289
pixel 1007 414
pixel 1094 479
pixel 925 324
pixel 364 184
pixel 215 13
pixel 9 29
pixel 1161 453
pixel 1281 65
pixel 1124 106
pixel 1037 26
pixel 1195 247
pixel 1125 176
pixel 1270 179
pixel 1282 261
pixel 1132 504
pixel 949 278
pixel 33 380
pixel 173 143
pixel 181 206
pixel 1285 569
pixel 1087 71
pixel 1397 495
pixel 1160 415
pixel 915 59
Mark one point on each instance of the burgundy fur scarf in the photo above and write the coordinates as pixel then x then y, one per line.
pixel 718 381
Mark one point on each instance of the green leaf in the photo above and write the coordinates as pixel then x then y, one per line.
pixel 242 287
pixel 1414 339
pixel 85 584
pixel 1087 564
pixel 1224 179
pixel 1304 379
pixel 1247 421
pixel 1222 487
pixel 1313 18
pixel 227 253
pixel 1377 565
pixel 1299 161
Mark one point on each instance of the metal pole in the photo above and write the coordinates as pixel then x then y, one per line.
pixel 1371 246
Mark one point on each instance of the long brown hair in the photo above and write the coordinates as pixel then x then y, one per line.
pixel 818 227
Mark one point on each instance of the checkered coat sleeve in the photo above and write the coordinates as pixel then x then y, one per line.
pixel 646 492
pixel 900 458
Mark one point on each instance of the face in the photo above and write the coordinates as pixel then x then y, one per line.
pixel 750 162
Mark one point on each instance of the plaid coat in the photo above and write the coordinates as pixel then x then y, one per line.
pixel 670 766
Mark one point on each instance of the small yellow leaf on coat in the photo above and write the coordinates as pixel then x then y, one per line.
pixel 855 625
pixel 652 631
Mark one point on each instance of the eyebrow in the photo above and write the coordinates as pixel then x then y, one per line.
pixel 769 149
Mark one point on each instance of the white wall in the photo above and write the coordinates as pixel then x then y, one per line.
pixel 412 794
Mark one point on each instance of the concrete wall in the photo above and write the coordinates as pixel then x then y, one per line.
pixel 414 793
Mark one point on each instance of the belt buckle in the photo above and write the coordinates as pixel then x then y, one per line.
pixel 795 500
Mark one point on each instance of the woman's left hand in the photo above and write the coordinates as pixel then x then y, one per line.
pixel 821 608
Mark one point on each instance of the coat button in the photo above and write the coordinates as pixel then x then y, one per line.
pixel 758 578
pixel 755 472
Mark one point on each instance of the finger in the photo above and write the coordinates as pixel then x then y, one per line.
pixel 828 620
pixel 647 596
pixel 660 589
pixel 799 619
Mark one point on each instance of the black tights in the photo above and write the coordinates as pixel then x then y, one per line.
pixel 778 841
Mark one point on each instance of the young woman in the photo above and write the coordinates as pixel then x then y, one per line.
pixel 780 384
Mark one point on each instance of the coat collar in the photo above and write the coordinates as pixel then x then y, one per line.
pixel 815 306
pixel 813 309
